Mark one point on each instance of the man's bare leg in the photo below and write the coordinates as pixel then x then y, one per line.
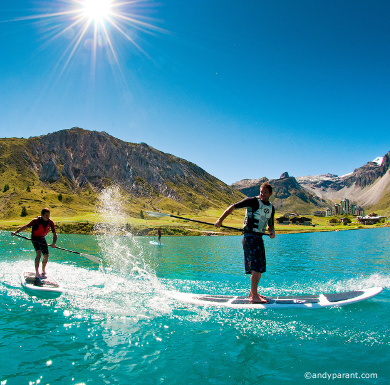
pixel 37 260
pixel 44 263
pixel 254 295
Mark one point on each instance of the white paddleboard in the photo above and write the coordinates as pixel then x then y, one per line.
pixel 155 243
pixel 282 302
pixel 48 288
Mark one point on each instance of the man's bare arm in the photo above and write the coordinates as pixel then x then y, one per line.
pixel 227 212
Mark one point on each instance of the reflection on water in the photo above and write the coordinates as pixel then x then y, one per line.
pixel 115 325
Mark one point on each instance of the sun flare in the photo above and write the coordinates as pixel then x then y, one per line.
pixel 97 28
pixel 96 10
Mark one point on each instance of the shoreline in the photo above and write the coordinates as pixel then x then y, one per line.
pixel 88 228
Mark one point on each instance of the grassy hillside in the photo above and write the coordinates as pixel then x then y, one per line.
pixel 382 208
pixel 293 204
pixel 76 209
pixel 67 170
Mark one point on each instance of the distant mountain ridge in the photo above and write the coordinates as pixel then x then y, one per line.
pixel 76 160
pixel 66 170
pixel 249 187
pixel 288 195
pixel 368 185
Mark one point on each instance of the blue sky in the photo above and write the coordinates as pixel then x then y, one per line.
pixel 242 88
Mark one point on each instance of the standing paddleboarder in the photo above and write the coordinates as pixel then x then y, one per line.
pixel 259 214
pixel 41 226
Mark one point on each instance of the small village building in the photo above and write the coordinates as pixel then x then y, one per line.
pixel 301 221
pixel 370 219
pixel 283 221
pixel 305 221
pixel 346 207
pixel 358 211
pixel 328 212
pixel 294 221
pixel 345 221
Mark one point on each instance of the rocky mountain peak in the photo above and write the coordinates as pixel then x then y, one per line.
pixel 288 194
pixel 366 184
pixel 80 158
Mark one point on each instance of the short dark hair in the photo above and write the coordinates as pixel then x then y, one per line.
pixel 44 211
pixel 268 186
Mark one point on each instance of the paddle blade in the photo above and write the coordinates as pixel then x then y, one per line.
pixel 92 258
pixel 156 215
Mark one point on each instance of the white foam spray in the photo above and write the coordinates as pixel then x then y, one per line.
pixel 128 280
pixel 122 253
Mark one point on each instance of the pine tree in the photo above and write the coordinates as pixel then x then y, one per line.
pixel 24 211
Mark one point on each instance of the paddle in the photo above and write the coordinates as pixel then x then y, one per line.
pixel 90 257
pixel 158 215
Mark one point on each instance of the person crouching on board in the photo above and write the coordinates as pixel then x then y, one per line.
pixel 259 214
pixel 41 226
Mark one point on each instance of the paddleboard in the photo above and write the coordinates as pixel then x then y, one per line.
pixel 47 288
pixel 155 243
pixel 282 302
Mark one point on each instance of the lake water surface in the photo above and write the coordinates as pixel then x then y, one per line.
pixel 116 325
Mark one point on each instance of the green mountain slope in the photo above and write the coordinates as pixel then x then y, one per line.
pixel 66 170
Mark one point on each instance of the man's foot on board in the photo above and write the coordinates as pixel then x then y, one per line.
pixel 43 276
pixel 261 296
pixel 37 275
pixel 258 299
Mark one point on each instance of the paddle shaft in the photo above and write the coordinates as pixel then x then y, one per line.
pixel 92 257
pixel 206 223
pixel 22 236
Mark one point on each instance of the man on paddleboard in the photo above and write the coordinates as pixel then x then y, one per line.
pixel 259 214
pixel 41 226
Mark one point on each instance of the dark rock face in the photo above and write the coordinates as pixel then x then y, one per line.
pixel 249 187
pixel 368 174
pixel 285 187
pixel 90 158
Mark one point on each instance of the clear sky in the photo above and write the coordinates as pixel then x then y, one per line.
pixel 242 88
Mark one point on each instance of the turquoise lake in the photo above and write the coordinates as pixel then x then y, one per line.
pixel 117 325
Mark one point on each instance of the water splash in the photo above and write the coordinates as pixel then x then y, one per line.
pixel 122 253
pixel 129 282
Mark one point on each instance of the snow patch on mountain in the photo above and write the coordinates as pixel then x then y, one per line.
pixel 378 160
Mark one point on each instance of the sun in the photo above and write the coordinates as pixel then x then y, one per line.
pixel 98 28
pixel 96 10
